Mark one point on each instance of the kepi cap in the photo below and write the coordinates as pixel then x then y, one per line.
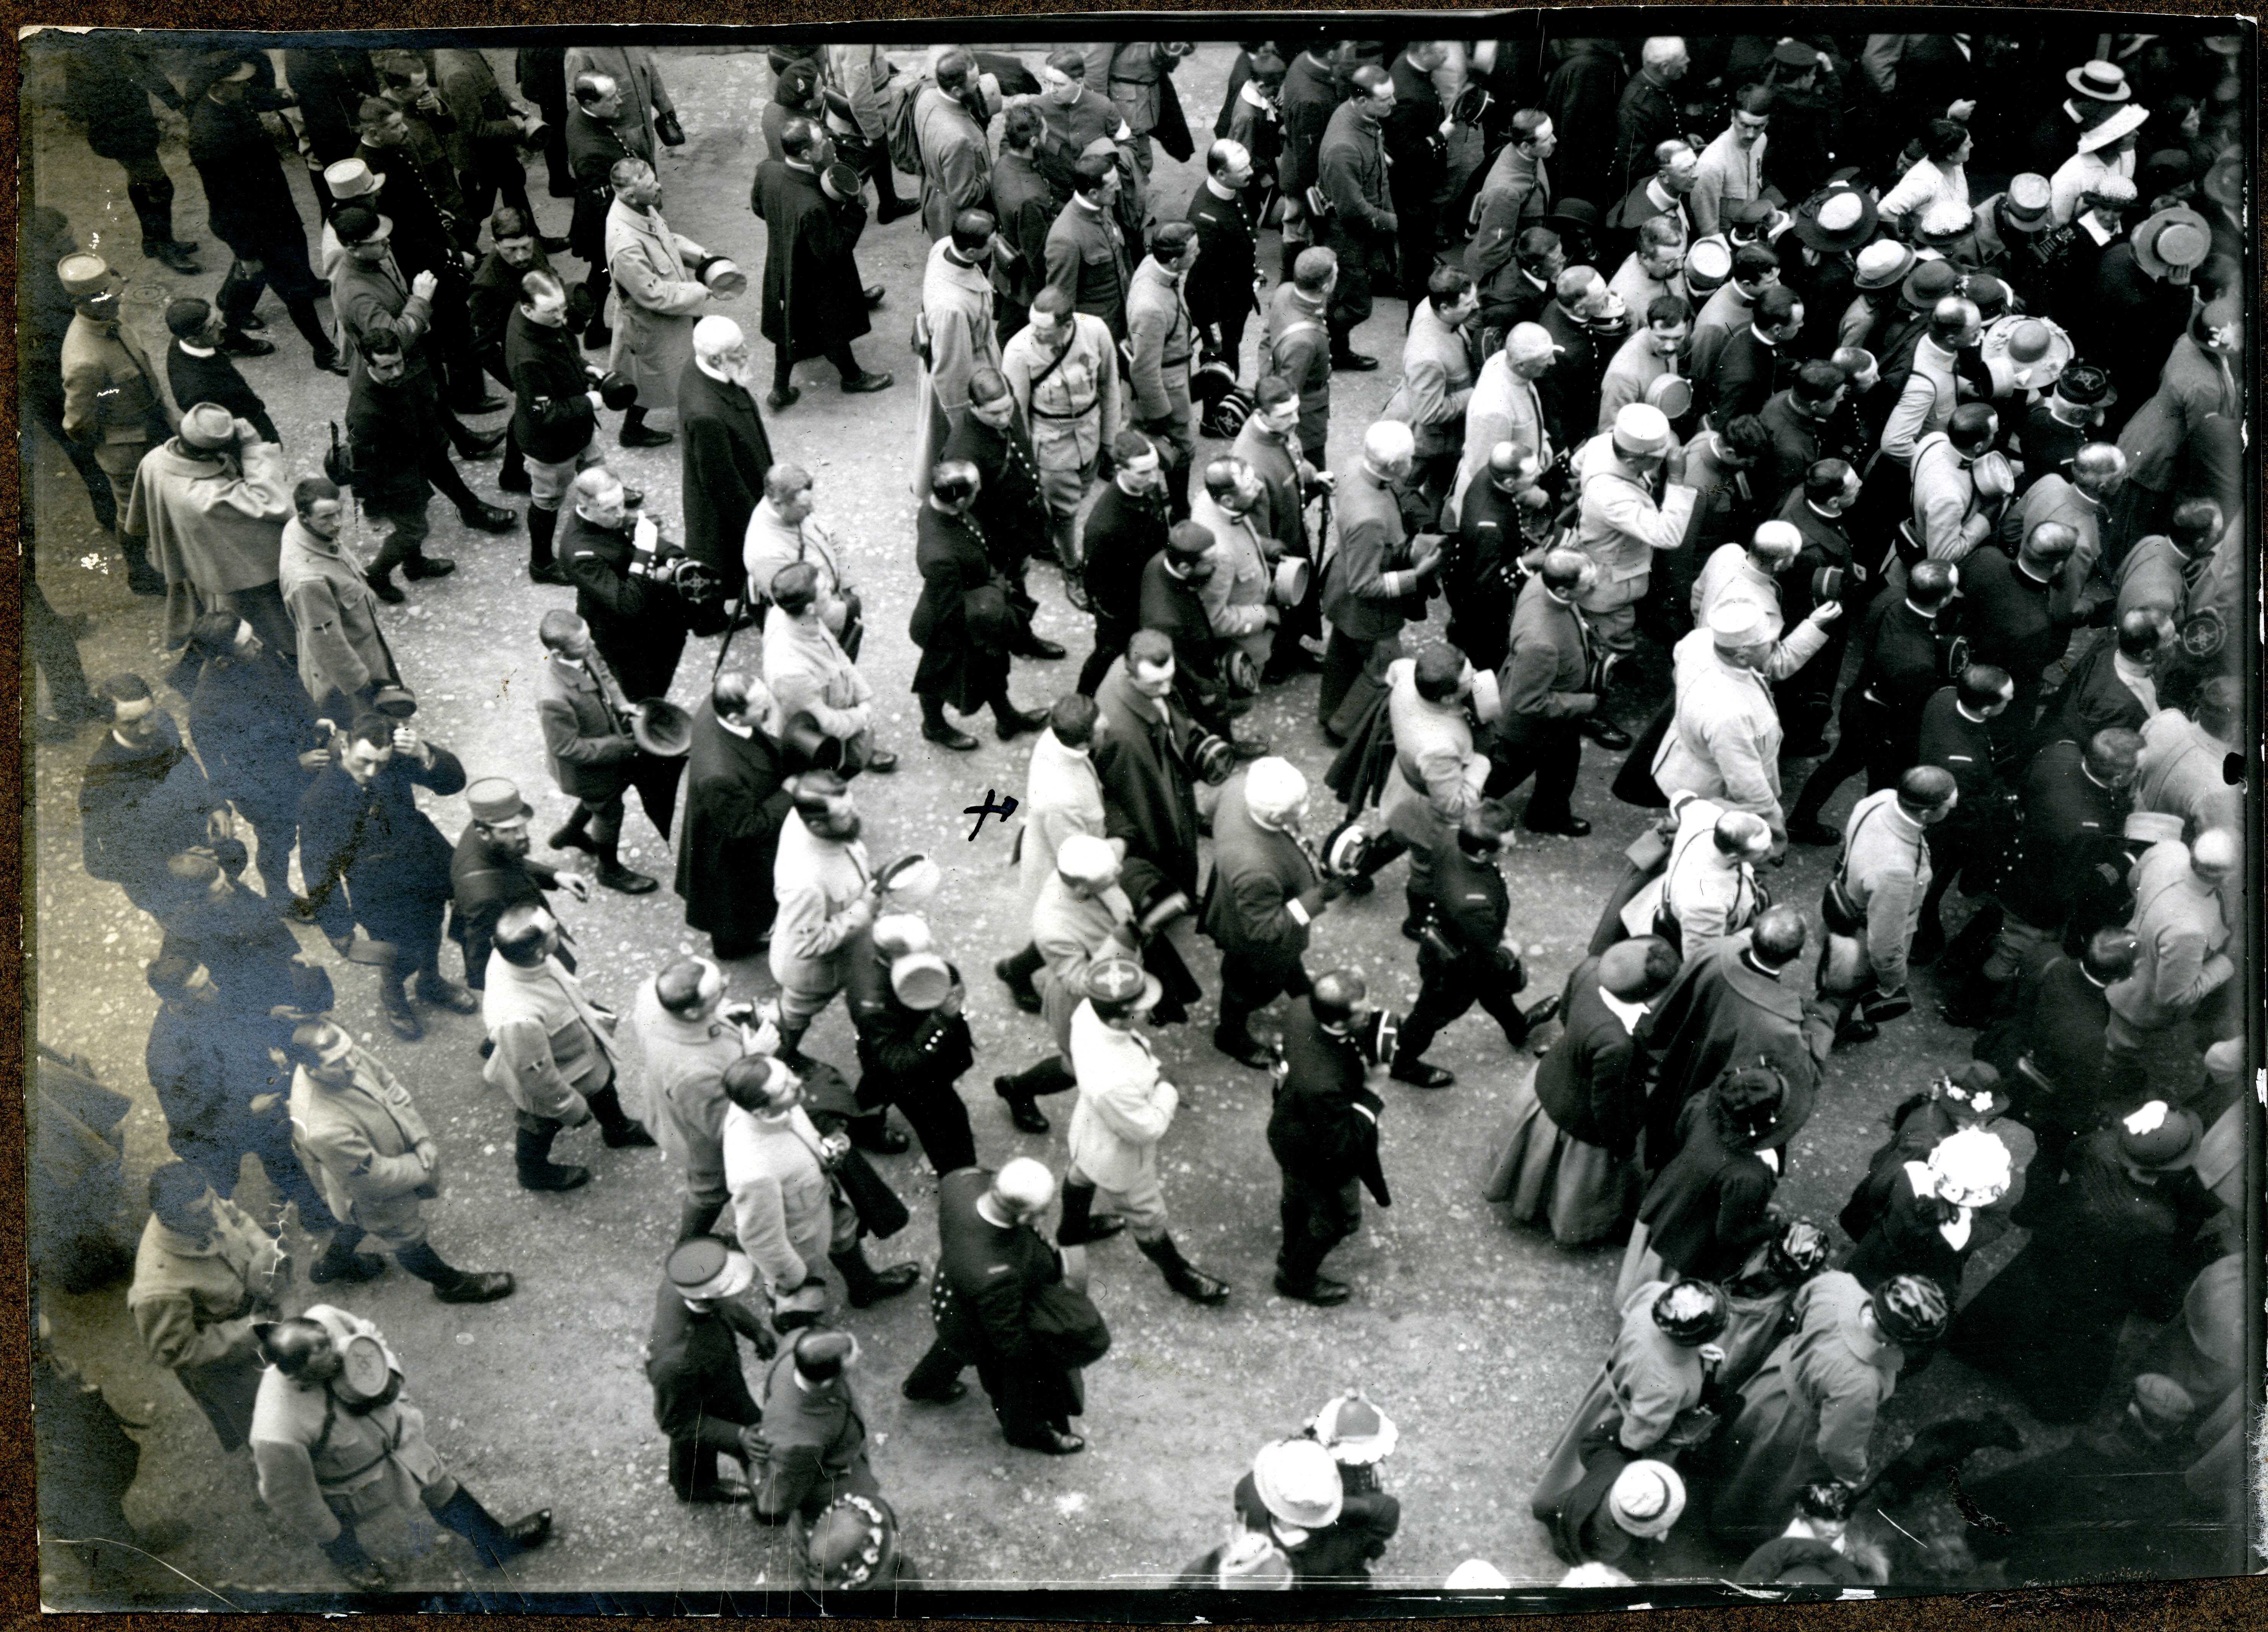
pixel 706 1268
pixel 494 799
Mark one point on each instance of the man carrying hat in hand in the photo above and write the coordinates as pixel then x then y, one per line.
pixel 788 1210
pixel 914 1042
pixel 700 1400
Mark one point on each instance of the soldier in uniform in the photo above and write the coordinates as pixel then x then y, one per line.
pixel 1360 226
pixel 1161 338
pixel 700 1400
pixel 1377 579
pixel 1296 345
pixel 1149 797
pixel 1437 775
pixel 1886 875
pixel 204 1275
pixel 1956 735
pixel 1546 691
pixel 914 1044
pixel 1086 256
pixel 1126 1106
pixel 1463 953
pixel 1267 889
pixel 1062 370
pixel 992 1265
pixel 1625 518
pixel 1901 666
pixel 687 1034
pixel 326 1466
pixel 788 1208
pixel 812 1445
pixel 1080 917
pixel 112 398
pixel 360 1136
pixel 1323 1133
pixel 556 1054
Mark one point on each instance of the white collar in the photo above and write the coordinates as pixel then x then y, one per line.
pixel 198 351
pixel 703 364
pixel 1085 204
pixel 1766 339
pixel 1628 1013
pixel 745 732
pixel 1227 195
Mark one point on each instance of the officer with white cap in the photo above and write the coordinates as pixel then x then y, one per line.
pixel 700 1400
pixel 1748 572
pixel 1268 887
pixel 1634 502
pixel 1082 914
pixel 1724 737
pixel 1126 1106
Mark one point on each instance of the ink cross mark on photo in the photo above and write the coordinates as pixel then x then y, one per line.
pixel 1003 809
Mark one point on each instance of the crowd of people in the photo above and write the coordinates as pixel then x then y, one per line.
pixel 1772 412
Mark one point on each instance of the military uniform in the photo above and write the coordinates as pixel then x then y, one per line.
pixel 817 1440
pixel 911 1058
pixel 1368 593
pixel 2070 827
pixel 1266 891
pixel 1298 347
pixel 685 1103
pixel 637 623
pixel 2185 933
pixel 785 1208
pixel 1350 166
pixel 1323 1133
pixel 1725 737
pixel 1621 524
pixel 1901 665
pixel 1161 338
pixel 365 1145
pixel 196 1306
pixel 1071 401
pixel 1437 776
pixel 1462 957
pixel 701 1399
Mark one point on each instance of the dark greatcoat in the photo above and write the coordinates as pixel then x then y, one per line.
pixel 593 147
pixel 249 203
pixel 724 456
pixel 139 806
pixel 987 1278
pixel 483 884
pixel 693 1360
pixel 251 721
pixel 638 625
pixel 736 802
pixel 1120 536
pixel 813 300
pixel 1720 1013
pixel 374 840
pixel 1148 796
pixel 1010 508
pixel 1315 1129
pixel 964 659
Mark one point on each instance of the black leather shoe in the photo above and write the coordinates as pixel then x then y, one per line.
pixel 597 338
pixel 1544 1012
pixel 884 1284
pixel 953 1391
pixel 477 1286
pixel 1245 1050
pixel 243 345
pixel 894 209
pixel 383 587
pixel 551 246
pixel 646 436
pixel 624 879
pixel 1023 1110
pixel 1248 747
pixel 404 1022
pixel 1045 650
pixel 720 1491
pixel 882 761
pixel 889 1142
pixel 1417 1074
pixel 628 1136
pixel 1566 827
pixel 553 1176
pixel 149 581
pixel 1324 1292
pixel 428 567
pixel 1605 732
pixel 1355 360
pixel 178 257
pixel 872 380
pixel 448 995
pixel 949 737
pixel 1014 723
pixel 1049 1441
pixel 533 1531
pixel 549 572
pixel 354 1267
pixel 778 399
pixel 572 839
pixel 873 295
pixel 490 519
pixel 1812 833
pixel 1857 1029
pixel 364 1575
pixel 331 363
pixel 1027 996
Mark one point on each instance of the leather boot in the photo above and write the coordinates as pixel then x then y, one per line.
pixel 1190 1282
pixel 868 1285
pixel 1016 974
pixel 1078 1225
pixel 614 1123
pixel 532 1154
pixel 342 1262
pixel 614 876
pixel 496 1542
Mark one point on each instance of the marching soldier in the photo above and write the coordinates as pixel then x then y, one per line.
pixel 1323 1133
pixel 1464 956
